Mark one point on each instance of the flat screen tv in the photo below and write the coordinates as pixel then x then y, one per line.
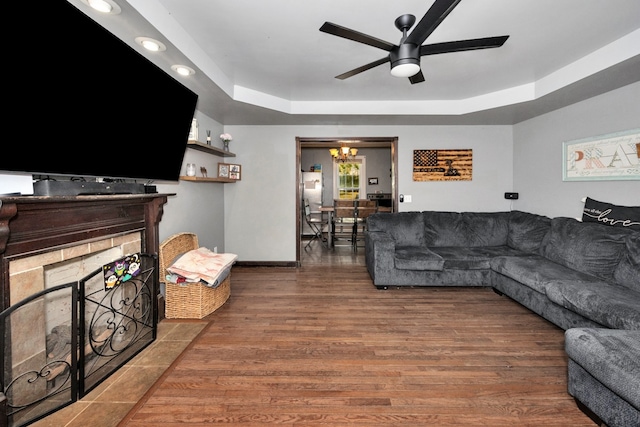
pixel 82 103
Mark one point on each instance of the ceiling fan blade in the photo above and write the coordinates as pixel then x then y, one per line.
pixel 417 78
pixel 363 68
pixel 430 21
pixel 462 45
pixel 356 36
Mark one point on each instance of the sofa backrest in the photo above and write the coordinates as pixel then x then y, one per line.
pixel 627 272
pixel 470 229
pixel 585 246
pixel 527 231
pixel 405 228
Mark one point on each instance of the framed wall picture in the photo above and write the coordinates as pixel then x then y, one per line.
pixel 223 170
pixel 235 171
pixel 373 181
pixel 606 157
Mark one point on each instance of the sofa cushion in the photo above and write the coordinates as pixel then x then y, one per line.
pixel 471 258
pixel 610 305
pixel 628 271
pixel 589 247
pixel 610 356
pixel 471 229
pixel 527 230
pixel 535 271
pixel 417 258
pixel 405 228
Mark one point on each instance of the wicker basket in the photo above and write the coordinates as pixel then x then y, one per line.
pixel 189 300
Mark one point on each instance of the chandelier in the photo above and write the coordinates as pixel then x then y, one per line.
pixel 343 154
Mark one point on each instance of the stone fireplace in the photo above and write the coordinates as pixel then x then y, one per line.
pixel 55 296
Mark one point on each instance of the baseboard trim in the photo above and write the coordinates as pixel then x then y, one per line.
pixel 291 264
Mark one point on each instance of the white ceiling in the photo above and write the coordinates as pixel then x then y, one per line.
pixel 266 62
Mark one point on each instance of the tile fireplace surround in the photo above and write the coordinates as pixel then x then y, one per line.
pixel 46 241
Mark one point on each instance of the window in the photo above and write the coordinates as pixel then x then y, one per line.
pixel 346 179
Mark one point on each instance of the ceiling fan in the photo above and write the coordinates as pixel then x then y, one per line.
pixel 405 58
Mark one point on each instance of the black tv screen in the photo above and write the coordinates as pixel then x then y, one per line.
pixel 83 103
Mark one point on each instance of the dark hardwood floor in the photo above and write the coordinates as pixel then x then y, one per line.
pixel 321 346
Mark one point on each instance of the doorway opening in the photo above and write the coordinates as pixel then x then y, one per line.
pixel 383 181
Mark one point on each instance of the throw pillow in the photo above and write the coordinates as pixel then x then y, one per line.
pixel 612 215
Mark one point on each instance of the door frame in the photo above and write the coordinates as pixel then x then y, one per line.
pixel 331 142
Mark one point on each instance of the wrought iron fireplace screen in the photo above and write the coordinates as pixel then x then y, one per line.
pixel 107 325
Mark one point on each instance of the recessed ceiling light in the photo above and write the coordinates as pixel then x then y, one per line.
pixel 151 44
pixel 183 70
pixel 104 6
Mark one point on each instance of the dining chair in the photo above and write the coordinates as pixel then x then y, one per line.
pixel 317 225
pixel 344 219
pixel 364 209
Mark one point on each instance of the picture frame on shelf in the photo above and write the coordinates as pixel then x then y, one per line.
pixel 193 132
pixel 235 171
pixel 223 170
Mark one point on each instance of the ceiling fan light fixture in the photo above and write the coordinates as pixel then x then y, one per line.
pixel 405 70
pixel 405 60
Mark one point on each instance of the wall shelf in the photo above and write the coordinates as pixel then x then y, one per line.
pixel 201 146
pixel 203 179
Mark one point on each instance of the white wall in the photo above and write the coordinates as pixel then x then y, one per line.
pixel 492 168
pixel 260 216
pixel 538 154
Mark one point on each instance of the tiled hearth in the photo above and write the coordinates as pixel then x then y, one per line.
pixel 108 404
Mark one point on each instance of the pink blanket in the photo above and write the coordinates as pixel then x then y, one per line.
pixel 202 265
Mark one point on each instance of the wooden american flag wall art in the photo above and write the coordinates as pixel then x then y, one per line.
pixel 442 165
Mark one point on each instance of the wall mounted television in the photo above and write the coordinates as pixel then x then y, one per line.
pixel 86 104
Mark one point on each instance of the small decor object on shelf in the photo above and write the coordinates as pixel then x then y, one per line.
pixel 203 171
pixel 193 132
pixel 191 169
pixel 208 137
pixel 226 138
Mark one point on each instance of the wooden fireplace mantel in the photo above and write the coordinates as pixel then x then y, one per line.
pixel 32 224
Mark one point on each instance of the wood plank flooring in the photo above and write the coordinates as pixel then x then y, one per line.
pixel 321 346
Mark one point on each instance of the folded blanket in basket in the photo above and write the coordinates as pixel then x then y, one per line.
pixel 203 265
pixel 179 280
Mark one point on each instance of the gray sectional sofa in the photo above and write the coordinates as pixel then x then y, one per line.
pixel 582 276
